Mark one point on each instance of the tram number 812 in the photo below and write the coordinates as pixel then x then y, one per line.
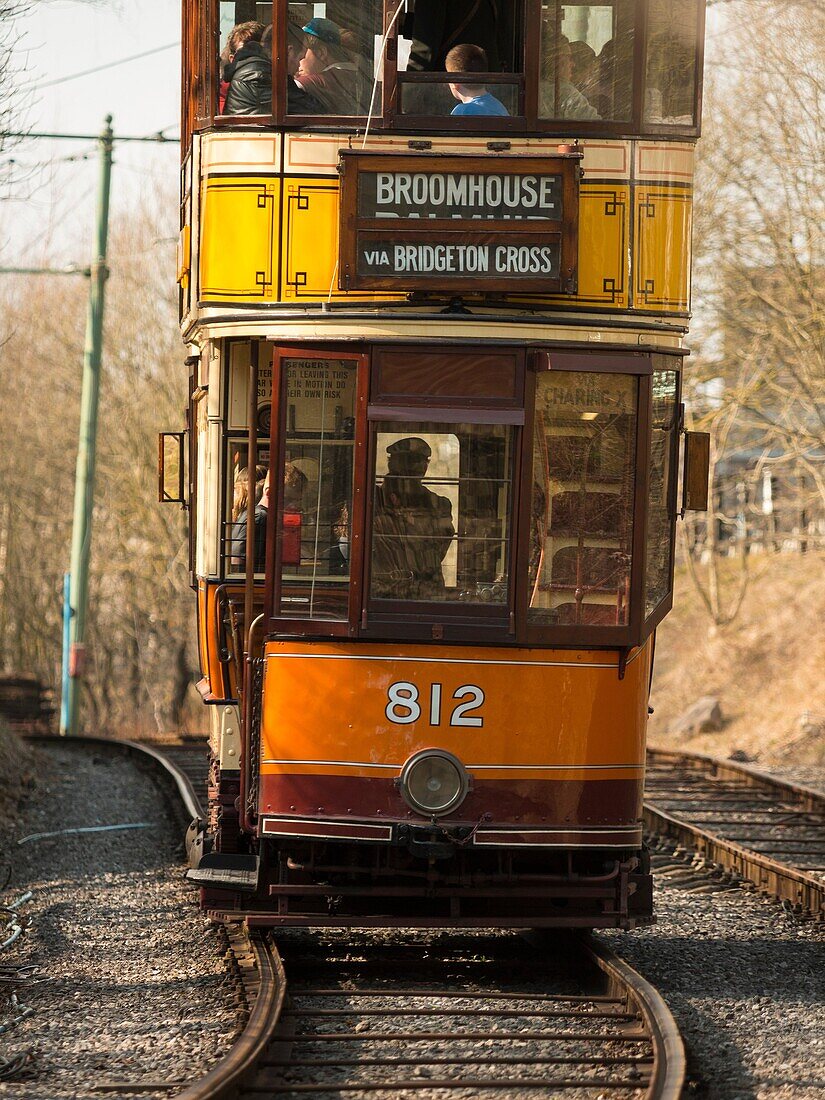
pixel 403 706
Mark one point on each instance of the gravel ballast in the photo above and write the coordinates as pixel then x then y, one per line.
pixel 138 990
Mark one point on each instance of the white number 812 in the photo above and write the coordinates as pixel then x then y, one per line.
pixel 403 706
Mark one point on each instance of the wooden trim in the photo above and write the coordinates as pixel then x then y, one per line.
pixel 633 362
pixel 641 487
pixel 440 415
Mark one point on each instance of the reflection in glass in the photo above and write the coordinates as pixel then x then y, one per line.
pixel 441 513
pixel 317 496
pixel 660 509
pixel 587 61
pixel 582 498
pixel 670 71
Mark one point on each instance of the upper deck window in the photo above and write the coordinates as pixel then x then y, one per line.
pixel 612 67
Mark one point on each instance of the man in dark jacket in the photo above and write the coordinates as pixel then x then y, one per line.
pixel 249 74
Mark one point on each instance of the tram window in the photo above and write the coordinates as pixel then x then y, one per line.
pixel 586 68
pixel 435 28
pixel 670 65
pixel 582 499
pixel 316 511
pixel 441 512
pixel 661 503
pixel 337 70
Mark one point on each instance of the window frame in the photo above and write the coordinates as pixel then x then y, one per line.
pixel 414 621
pixel 588 635
pixel 200 76
pixel 277 623
pixel 663 607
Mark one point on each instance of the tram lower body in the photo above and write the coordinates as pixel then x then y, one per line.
pixel 433 786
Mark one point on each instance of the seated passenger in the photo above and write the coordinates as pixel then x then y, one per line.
pixel 298 102
pixel 327 71
pixel 570 103
pixel 438 25
pixel 249 72
pixel 473 99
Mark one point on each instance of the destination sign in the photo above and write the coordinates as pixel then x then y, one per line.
pixel 467 223
pixel 457 195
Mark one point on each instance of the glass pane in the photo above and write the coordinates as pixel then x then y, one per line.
pixel 459 100
pixel 236 505
pixel 333 57
pixel 245 65
pixel 586 67
pixel 670 71
pixel 441 512
pixel 660 507
pixel 582 498
pixel 318 473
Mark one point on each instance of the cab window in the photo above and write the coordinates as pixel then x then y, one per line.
pixel 315 493
pixel 582 499
pixel 441 512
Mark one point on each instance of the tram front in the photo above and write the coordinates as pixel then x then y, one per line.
pixel 435 290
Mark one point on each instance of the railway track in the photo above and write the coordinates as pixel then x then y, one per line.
pixel 500 1015
pixel 493 1015
pixel 764 830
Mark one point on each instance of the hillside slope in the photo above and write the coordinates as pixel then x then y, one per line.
pixel 767 668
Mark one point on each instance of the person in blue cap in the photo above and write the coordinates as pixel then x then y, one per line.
pixel 328 71
pixel 473 99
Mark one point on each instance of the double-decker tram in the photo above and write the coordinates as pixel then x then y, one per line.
pixel 434 282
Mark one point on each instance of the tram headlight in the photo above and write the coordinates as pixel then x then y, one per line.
pixel 433 782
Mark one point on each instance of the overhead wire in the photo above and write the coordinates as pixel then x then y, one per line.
pixel 35 85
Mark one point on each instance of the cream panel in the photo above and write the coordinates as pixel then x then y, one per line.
pixel 666 161
pixel 232 153
pixel 606 159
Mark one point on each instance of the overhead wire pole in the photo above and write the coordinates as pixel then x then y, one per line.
pixel 76 583
pixel 86 449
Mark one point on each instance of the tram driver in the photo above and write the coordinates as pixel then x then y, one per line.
pixel 412 527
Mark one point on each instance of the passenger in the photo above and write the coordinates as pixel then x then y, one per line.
pixel 238 541
pixel 473 99
pixel 298 101
pixel 249 72
pixel 327 71
pixel 438 25
pixel 413 527
pixel 570 103
pixel 241 489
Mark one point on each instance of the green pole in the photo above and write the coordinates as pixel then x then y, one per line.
pixel 85 474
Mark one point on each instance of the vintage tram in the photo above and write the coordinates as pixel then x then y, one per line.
pixel 434 462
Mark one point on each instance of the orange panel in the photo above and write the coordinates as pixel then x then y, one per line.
pixel 363 709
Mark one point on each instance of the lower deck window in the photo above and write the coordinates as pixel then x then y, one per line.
pixel 441 512
pixel 582 499
pixel 316 501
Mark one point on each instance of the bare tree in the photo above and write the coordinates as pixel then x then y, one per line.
pixel 760 271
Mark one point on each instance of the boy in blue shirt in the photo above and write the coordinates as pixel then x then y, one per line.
pixel 473 99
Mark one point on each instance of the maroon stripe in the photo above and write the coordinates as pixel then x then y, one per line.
pixel 555 803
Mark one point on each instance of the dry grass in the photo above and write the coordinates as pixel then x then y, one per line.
pixel 767 668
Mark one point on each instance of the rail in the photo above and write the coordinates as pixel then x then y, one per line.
pixel 767 831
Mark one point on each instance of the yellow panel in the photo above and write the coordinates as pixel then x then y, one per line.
pixel 310 243
pixel 604 230
pixel 662 248
pixel 310 250
pixel 239 222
